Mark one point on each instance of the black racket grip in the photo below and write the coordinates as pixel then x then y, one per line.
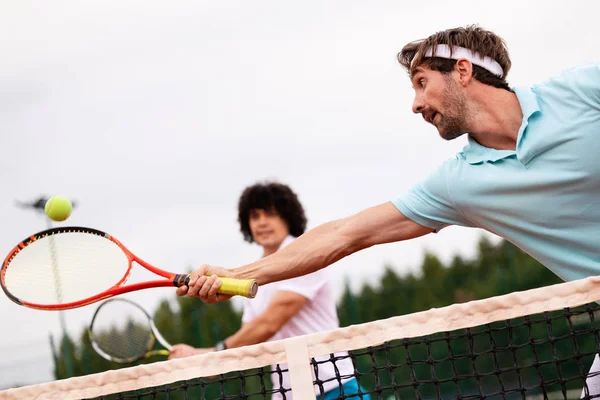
pixel 181 280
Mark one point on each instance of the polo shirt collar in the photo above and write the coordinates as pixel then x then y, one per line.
pixel 474 153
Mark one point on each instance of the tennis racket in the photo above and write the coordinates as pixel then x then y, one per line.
pixel 70 267
pixel 123 332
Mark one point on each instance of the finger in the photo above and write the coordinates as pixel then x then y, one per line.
pixel 197 286
pixel 181 290
pixel 213 292
pixel 203 294
pixel 193 277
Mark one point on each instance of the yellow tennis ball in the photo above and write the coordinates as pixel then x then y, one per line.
pixel 58 208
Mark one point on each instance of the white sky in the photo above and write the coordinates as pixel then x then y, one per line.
pixel 155 115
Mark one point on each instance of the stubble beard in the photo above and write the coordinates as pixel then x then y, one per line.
pixel 453 122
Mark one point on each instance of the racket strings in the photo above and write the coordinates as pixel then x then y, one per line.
pixel 122 330
pixel 64 268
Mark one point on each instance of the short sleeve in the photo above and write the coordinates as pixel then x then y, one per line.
pixel 307 285
pixel 585 81
pixel 428 203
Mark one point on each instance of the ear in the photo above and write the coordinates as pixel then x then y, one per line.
pixel 464 68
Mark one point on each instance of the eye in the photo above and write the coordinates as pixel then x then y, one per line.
pixel 422 82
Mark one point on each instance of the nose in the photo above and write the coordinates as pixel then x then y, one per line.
pixel 262 219
pixel 418 105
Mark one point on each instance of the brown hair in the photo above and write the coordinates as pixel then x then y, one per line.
pixel 472 37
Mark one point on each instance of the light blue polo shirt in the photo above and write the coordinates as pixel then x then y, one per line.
pixel 545 196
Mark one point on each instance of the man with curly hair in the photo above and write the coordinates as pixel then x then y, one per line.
pixel 530 172
pixel 271 215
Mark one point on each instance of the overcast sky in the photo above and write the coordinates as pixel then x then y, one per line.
pixel 155 115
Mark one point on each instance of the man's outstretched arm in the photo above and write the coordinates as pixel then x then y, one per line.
pixel 314 250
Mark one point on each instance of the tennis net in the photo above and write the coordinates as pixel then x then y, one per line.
pixel 535 344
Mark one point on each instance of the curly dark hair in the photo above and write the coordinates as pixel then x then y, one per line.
pixel 268 196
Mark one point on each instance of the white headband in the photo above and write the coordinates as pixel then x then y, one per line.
pixel 443 51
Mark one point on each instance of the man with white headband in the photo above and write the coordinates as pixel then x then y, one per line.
pixel 530 172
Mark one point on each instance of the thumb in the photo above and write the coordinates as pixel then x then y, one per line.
pixel 181 290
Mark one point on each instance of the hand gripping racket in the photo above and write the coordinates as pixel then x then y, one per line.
pixel 123 332
pixel 63 268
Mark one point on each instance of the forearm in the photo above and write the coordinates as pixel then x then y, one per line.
pixel 250 333
pixel 316 249
pixel 332 241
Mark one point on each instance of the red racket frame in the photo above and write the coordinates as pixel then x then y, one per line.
pixel 171 279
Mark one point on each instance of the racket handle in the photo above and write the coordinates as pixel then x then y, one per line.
pixel 239 287
pixel 230 286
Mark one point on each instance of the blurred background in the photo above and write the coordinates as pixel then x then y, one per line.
pixel 154 116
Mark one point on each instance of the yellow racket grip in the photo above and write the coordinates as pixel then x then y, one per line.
pixel 157 353
pixel 239 287
pixel 229 286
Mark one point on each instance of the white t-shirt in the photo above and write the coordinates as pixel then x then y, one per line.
pixel 318 314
